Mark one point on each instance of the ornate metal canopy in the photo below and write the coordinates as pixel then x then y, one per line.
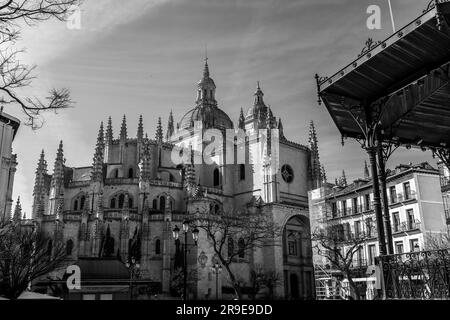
pixel 403 80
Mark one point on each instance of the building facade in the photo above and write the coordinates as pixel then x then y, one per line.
pixel 8 162
pixel 136 191
pixel 416 213
pixel 445 188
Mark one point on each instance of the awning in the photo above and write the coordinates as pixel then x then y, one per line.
pixel 409 73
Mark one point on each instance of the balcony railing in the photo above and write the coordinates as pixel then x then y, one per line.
pixel 402 197
pixel 359 263
pixel 406 226
pixel 445 181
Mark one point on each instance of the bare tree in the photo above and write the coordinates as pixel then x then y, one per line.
pixel 15 76
pixel 339 248
pixel 25 255
pixel 233 236
pixel 260 279
pixel 438 241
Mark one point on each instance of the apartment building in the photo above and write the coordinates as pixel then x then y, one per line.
pixel 415 206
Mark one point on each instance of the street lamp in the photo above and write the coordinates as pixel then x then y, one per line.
pixel 217 269
pixel 134 267
pixel 176 235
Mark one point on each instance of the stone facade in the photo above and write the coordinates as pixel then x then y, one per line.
pixel 136 190
pixel 8 162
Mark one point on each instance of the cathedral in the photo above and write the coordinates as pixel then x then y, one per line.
pixel 134 194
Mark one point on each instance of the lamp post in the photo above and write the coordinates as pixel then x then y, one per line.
pixel 134 267
pixel 176 235
pixel 217 269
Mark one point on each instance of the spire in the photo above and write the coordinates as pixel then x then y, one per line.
pixel 123 129
pixel 206 68
pixel 97 166
pixel 315 161
pixel 144 164
pixel 241 124
pixel 39 186
pixel 323 174
pixel 269 118
pixel 17 211
pixel 170 128
pixel 140 130
pixel 159 131
pixel 280 129
pixel 58 169
pixel 366 171
pixel 343 181
pixel 258 96
pixel 109 132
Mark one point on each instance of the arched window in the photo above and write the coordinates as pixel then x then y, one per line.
pixel 155 204
pixel 130 202
pixel 82 201
pixel 216 209
pixel 241 248
pixel 113 203
pixel 131 173
pixel 171 178
pixel 49 247
pixel 69 247
pixel 162 203
pixel 121 201
pixel 158 246
pixel 216 177
pixel 230 246
pixel 116 173
pixel 75 205
pixel 242 172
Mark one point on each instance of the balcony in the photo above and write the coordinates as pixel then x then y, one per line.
pixel 447 215
pixel 402 197
pixel 445 181
pixel 359 263
pixel 406 226
pixel 115 181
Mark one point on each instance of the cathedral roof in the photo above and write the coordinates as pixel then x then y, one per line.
pixel 210 116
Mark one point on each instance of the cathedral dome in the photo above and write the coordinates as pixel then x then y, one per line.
pixel 211 117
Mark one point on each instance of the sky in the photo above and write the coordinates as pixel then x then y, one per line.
pixel 145 57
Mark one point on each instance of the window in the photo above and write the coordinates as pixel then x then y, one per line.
pixel 216 177
pixel 121 200
pixel 116 173
pixel 130 173
pixel 287 173
pixel 230 246
pixel 411 220
pixel 357 228
pixel 355 205
pixel 367 201
pixel 414 245
pixel 106 296
pixel 241 248
pixel 399 247
pixel 372 254
pixel 242 172
pixel 113 203
pixel 393 194
pixel 82 201
pixel 407 190
pixel 49 247
pixel 75 205
pixel 216 209
pixel 88 297
pixel 162 203
pixel 344 207
pixel 334 209
pixel 369 226
pixel 292 247
pixel 69 247
pixel 396 221
pixel 130 202
pixel 155 204
pixel 158 246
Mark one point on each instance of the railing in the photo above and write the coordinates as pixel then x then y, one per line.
pixel 447 215
pixel 406 226
pixel 416 275
pixel 79 184
pixel 111 181
pixel 402 197
pixel 359 263
pixel 445 181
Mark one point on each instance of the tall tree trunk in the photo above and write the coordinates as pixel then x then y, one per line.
pixel 236 286
pixel 352 285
